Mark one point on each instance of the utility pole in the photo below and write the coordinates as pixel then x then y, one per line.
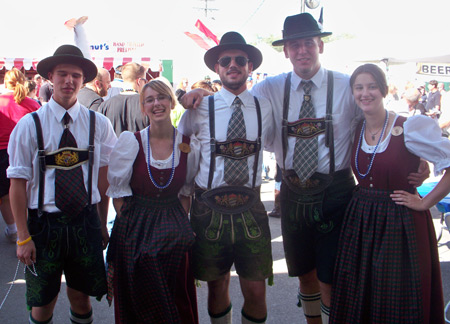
pixel 205 8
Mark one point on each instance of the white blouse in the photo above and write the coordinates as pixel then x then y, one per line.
pixel 124 154
pixel 422 138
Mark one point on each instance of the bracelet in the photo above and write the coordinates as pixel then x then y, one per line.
pixel 24 241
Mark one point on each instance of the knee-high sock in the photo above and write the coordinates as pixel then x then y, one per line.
pixel 33 321
pixel 81 319
pixel 310 303
pixel 246 319
pixel 325 313
pixel 222 318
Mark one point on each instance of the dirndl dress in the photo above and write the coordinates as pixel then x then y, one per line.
pixel 148 254
pixel 387 268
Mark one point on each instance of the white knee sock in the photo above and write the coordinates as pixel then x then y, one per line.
pixel 81 319
pixel 33 321
pixel 311 304
pixel 325 313
pixel 222 318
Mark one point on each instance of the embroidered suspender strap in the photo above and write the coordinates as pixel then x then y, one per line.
pixel 41 159
pixel 91 149
pixel 258 142
pixel 329 133
pixel 284 122
pixel 212 132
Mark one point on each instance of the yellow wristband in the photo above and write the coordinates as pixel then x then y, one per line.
pixel 24 241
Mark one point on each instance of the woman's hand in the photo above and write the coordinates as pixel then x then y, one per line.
pixel 27 253
pixel 404 198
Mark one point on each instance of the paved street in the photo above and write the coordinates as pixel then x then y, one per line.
pixel 281 297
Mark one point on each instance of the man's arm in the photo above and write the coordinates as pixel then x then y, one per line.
pixel 102 206
pixel 193 98
pixel 18 197
pixel 417 178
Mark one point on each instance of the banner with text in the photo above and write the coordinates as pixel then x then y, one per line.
pixel 436 69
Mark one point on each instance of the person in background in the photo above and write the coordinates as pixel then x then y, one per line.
pixel 14 104
pixel 203 85
pixel 30 86
pixel 123 110
pixel 217 85
pixel 387 268
pixel 116 84
pixel 151 176
pixel 433 105
pixel 91 95
pixel 411 97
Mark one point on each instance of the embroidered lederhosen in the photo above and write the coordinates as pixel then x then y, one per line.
pixel 310 194
pixel 232 199
pixel 66 158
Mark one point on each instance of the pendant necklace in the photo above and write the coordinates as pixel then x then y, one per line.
pixel 374 134
pixel 148 162
pixel 376 147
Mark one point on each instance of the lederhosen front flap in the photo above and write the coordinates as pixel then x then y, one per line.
pixel 232 199
pixel 307 128
pixel 64 158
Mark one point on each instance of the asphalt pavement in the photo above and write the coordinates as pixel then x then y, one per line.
pixel 281 297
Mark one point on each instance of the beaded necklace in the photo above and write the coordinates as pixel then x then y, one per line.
pixel 374 151
pixel 148 162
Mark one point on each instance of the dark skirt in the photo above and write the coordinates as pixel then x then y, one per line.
pixel 147 259
pixel 380 270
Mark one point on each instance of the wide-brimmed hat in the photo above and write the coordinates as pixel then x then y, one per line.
pixel 68 54
pixel 233 40
pixel 300 26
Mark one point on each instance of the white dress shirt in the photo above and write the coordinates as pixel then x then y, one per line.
pixel 23 149
pixel 197 122
pixel 124 154
pixel 345 115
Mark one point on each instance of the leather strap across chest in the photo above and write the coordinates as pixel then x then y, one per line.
pixel 213 141
pixel 42 158
pixel 315 127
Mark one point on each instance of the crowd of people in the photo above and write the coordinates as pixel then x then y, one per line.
pixel 186 186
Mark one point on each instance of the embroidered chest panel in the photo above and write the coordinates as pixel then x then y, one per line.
pixel 66 158
pixel 236 148
pixel 306 127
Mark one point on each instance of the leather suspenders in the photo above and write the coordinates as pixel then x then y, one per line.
pixel 329 135
pixel 42 164
pixel 213 141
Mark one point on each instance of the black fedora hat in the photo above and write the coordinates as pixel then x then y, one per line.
pixel 300 26
pixel 233 40
pixel 68 54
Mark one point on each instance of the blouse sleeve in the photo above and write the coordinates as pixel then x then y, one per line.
pixel 423 138
pixel 192 167
pixel 121 165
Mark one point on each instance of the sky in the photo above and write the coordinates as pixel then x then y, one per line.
pixel 407 28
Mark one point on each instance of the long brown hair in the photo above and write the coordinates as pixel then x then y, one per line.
pixel 15 80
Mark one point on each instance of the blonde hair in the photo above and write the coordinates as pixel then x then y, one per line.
pixel 132 71
pixel 162 88
pixel 15 80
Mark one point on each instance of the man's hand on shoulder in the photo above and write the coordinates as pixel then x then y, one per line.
pixel 192 99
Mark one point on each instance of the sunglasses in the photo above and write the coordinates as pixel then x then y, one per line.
pixel 226 60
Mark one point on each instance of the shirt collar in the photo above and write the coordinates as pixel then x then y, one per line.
pixel 59 111
pixel 317 79
pixel 229 97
